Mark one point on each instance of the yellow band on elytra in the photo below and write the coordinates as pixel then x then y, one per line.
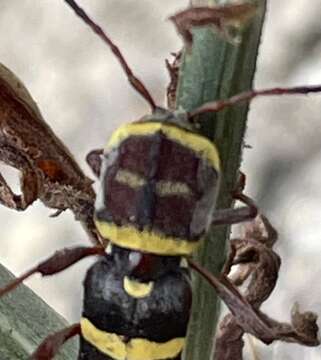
pixel 137 289
pixel 201 145
pixel 113 345
pixel 128 236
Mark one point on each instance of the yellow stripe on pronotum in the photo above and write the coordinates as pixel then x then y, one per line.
pixel 129 237
pixel 137 289
pixel 113 345
pixel 129 178
pixel 163 187
pixel 170 188
pixel 193 141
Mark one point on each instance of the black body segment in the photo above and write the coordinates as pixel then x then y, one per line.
pixel 153 324
pixel 158 188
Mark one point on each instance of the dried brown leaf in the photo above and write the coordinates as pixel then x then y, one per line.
pixel 219 17
pixel 254 255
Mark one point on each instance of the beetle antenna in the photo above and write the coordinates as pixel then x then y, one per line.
pixel 215 106
pixel 133 80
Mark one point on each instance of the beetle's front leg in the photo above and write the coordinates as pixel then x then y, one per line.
pixel 94 160
pixel 29 180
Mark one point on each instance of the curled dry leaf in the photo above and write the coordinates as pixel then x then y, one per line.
pixel 304 323
pixel 219 17
pixel 229 340
pixel 47 169
pixel 260 264
pixel 173 70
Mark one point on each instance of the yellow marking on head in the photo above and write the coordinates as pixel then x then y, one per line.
pixel 137 289
pixel 114 346
pixel 129 178
pixel 170 188
pixel 128 236
pixel 198 143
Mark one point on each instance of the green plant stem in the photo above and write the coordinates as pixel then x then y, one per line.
pixel 26 320
pixel 216 69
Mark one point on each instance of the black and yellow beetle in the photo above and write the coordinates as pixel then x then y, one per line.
pixel 158 183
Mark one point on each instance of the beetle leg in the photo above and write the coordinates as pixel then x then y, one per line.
pixel 303 329
pixel 94 161
pixel 51 345
pixel 235 216
pixel 59 261
pixel 247 317
pixel 29 181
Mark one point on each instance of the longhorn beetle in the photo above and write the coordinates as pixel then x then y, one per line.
pixel 158 182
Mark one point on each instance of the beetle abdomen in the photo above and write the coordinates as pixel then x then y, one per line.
pixel 158 188
pixel 117 325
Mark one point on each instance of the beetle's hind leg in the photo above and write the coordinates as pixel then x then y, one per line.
pixel 254 253
pixel 29 181
pixel 51 345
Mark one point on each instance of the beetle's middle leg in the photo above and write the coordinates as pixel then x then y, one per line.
pixel 59 261
pixel 243 213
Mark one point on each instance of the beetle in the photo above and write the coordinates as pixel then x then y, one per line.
pixel 148 167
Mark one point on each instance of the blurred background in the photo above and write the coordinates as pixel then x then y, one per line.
pixel 84 96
